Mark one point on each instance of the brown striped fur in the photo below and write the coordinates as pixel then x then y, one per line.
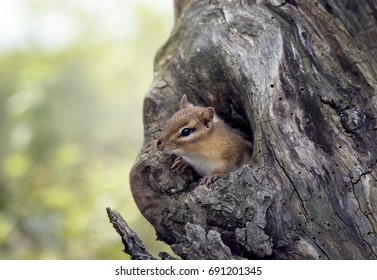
pixel 213 148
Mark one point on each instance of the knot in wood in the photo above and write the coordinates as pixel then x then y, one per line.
pixel 352 119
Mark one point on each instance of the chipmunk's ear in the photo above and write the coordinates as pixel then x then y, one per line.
pixel 207 116
pixel 183 103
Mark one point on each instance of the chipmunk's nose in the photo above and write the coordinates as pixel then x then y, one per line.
pixel 160 145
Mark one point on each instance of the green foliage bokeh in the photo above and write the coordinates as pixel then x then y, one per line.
pixel 70 130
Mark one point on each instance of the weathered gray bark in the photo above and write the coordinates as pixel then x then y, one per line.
pixel 300 78
pixel 132 243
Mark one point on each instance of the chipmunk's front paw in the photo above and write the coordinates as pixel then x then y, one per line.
pixel 179 165
pixel 207 180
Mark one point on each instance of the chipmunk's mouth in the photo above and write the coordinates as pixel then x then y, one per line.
pixel 171 151
pixel 174 152
pixel 161 146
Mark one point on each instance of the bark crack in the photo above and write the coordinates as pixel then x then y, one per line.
pixel 294 189
pixel 361 175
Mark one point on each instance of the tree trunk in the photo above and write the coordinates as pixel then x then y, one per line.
pixel 298 77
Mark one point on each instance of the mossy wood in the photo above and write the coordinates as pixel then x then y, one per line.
pixel 300 79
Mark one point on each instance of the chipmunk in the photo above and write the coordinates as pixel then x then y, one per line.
pixel 203 141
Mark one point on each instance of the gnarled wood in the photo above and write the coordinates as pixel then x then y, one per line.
pixel 298 77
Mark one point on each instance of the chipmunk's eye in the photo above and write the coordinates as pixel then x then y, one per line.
pixel 186 132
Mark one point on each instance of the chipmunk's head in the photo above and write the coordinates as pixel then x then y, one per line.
pixel 187 128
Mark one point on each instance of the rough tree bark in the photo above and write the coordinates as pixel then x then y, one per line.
pixel 300 78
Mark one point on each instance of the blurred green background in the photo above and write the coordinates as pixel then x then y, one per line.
pixel 73 75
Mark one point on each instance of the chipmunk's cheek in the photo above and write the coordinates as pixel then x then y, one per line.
pixel 173 150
